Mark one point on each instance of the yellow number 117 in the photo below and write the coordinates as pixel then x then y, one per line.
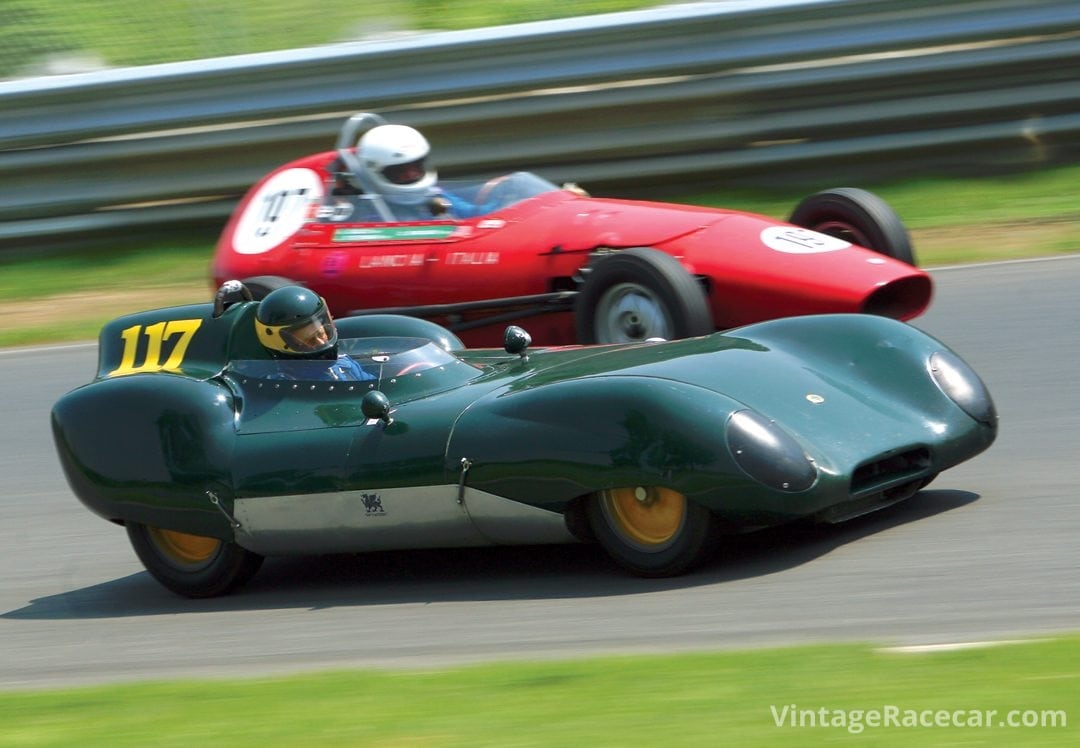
pixel 155 335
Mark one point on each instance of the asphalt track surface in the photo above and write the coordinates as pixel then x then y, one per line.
pixel 990 550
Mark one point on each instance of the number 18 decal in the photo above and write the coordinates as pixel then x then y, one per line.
pixel 183 330
pixel 798 241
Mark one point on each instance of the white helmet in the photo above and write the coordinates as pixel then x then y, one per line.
pixel 393 158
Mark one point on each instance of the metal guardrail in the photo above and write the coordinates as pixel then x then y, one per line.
pixel 746 90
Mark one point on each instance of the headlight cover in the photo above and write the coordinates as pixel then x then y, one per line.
pixel 963 386
pixel 768 454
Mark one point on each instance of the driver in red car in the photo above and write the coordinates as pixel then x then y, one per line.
pixel 394 161
pixel 293 323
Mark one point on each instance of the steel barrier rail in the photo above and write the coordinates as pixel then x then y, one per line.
pixel 669 41
pixel 701 92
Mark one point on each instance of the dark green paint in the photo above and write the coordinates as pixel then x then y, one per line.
pixel 148 447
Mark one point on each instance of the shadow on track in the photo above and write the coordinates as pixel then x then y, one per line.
pixel 476 574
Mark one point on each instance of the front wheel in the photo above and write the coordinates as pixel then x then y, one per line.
pixel 652 531
pixel 192 565
pixel 856 216
pixel 640 293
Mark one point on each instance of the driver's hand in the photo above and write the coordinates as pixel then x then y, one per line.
pixel 439 206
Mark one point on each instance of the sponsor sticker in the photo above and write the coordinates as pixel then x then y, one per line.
pixel 338 212
pixel 472 258
pixel 413 260
pixel 333 264
pixel 394 233
pixel 798 241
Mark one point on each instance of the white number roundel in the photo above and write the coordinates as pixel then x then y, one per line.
pixel 797 241
pixel 276 211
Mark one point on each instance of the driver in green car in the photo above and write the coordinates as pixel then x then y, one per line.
pixel 294 324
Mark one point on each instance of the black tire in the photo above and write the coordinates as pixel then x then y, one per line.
pixel 859 217
pixel 192 565
pixel 652 531
pixel 261 285
pixel 640 293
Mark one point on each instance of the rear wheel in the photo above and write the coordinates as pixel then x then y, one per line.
pixel 650 530
pixel 192 565
pixel 856 216
pixel 637 294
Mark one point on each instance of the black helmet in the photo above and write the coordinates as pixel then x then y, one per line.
pixel 294 321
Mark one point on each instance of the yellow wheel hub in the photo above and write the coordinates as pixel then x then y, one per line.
pixel 650 516
pixel 184 548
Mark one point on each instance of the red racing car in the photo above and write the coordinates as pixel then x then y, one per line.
pixel 369 227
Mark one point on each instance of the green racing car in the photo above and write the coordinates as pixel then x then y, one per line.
pixel 215 454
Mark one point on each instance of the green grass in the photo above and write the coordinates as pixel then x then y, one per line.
pixel 680 700
pixel 126 32
pixel 67 297
pixel 1043 194
pixel 103 271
